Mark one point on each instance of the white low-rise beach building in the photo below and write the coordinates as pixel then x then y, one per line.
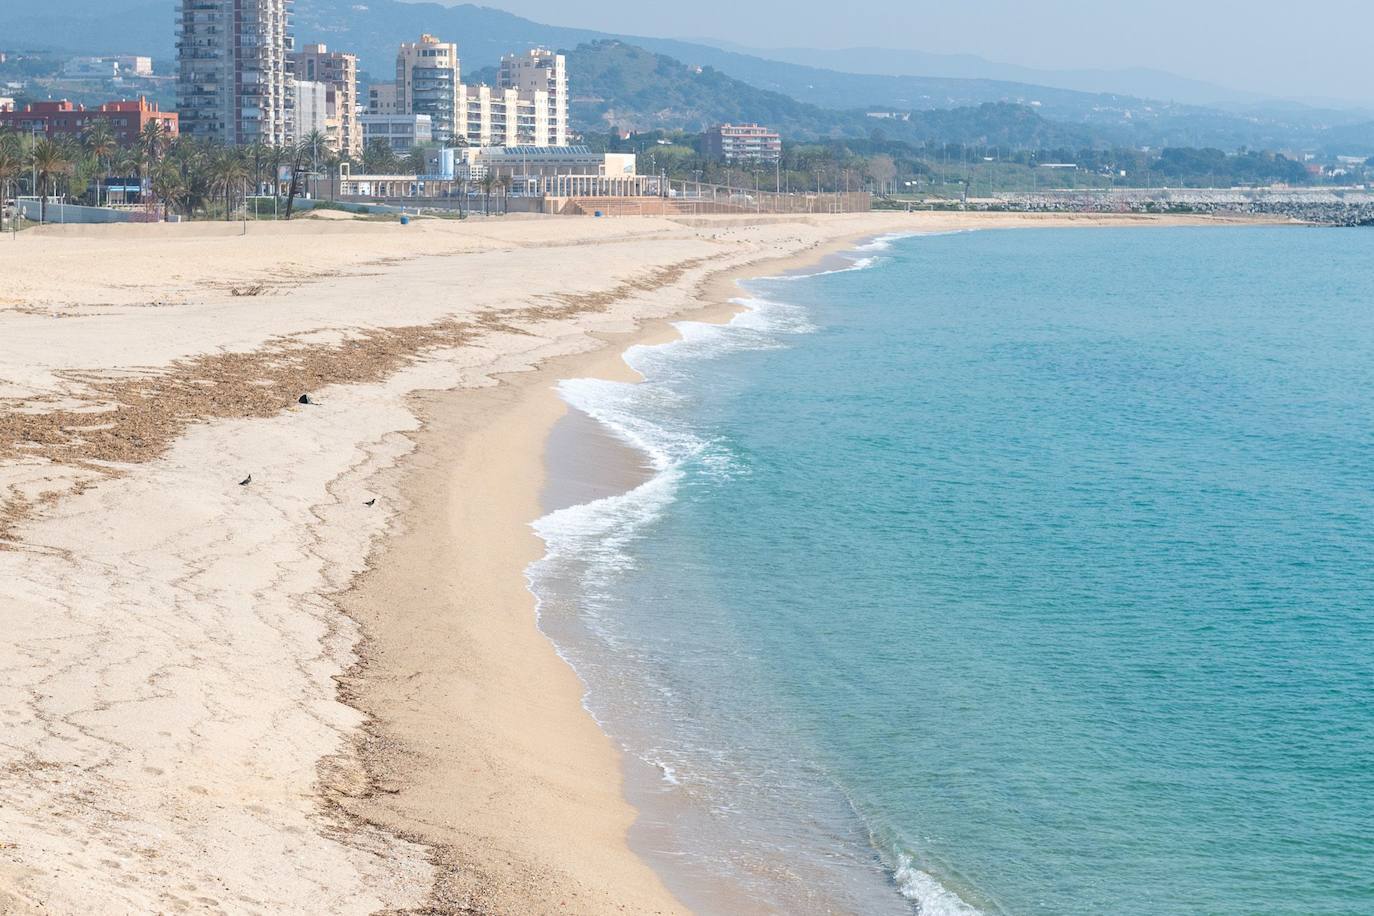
pixel 521 171
pixel 401 132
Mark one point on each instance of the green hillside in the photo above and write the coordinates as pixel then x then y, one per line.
pixel 615 85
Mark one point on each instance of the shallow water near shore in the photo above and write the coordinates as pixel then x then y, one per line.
pixel 1012 572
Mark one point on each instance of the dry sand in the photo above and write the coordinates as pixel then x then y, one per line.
pixel 273 697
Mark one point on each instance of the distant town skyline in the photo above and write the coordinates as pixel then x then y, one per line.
pixel 1259 46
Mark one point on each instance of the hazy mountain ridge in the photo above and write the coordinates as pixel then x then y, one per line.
pixel 1135 82
pixel 619 85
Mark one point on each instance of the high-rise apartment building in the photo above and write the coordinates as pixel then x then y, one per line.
pixel 527 107
pixel 338 71
pixel 540 71
pixel 505 117
pixel 234 77
pixel 427 83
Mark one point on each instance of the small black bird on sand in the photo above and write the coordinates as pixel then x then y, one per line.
pixel 304 399
pixel 246 481
pixel 371 502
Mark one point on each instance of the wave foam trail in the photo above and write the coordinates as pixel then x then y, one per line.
pixel 591 551
pixel 647 417
pixel 930 897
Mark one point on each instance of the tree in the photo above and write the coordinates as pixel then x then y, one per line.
pixel 380 159
pixel 505 182
pixel 277 156
pixel 11 167
pixel 415 160
pixel 317 146
pixel 258 153
pixel 50 160
pixel 99 141
pixel 168 185
pixel 488 183
pixel 298 156
pixel 227 176
pixel 883 170
pixel 153 139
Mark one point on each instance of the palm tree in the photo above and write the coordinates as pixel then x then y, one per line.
pixel 379 158
pixel 227 175
pixel 100 142
pixel 276 157
pixel 316 145
pixel 298 154
pixel 258 152
pixel 194 160
pixel 331 169
pixel 168 185
pixel 130 162
pixel 50 160
pixel 11 167
pixel 488 183
pixel 415 160
pixel 153 139
pixel 505 182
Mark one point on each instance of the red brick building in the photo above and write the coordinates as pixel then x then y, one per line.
pixel 56 119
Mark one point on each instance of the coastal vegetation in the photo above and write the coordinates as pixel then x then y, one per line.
pixel 890 167
pixel 179 176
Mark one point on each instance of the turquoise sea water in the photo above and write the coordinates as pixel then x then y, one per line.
pixel 1025 572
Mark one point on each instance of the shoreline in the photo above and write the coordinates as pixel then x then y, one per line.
pixel 178 667
pixel 520 416
pixel 643 782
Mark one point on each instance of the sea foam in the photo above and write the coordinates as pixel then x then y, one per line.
pixel 590 545
pixel 930 896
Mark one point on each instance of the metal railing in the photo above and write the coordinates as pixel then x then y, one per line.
pixel 692 196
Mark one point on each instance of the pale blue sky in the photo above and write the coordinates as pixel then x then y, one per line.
pixel 1323 48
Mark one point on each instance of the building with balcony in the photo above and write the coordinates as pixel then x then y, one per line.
pixel 126 119
pixel 234 71
pixel 528 106
pixel 742 143
pixel 338 72
pixel 504 117
pixel 401 132
pixel 427 83
pixel 540 76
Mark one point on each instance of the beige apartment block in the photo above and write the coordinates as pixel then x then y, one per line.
pixel 427 83
pixel 338 71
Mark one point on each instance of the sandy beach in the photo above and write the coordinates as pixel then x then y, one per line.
pixel 265 656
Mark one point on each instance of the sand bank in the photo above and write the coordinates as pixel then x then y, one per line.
pixel 275 697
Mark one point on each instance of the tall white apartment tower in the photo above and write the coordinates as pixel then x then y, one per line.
pixel 427 83
pixel 540 71
pixel 234 82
